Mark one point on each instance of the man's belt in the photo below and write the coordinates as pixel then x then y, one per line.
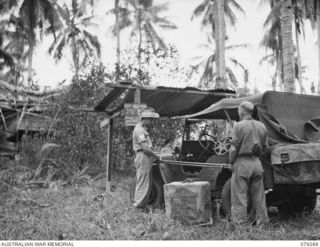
pixel 140 150
pixel 248 155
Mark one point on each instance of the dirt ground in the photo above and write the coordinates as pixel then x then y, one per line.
pixel 86 212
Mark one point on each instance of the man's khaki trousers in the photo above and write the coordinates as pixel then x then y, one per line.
pixel 247 181
pixel 143 164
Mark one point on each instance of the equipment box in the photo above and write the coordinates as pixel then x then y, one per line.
pixel 188 202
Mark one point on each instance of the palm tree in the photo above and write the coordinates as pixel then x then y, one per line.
pixel 272 40
pixel 34 15
pixel 143 19
pixel 75 33
pixel 5 58
pixel 317 7
pixel 117 27
pixel 14 43
pixel 299 17
pixel 214 13
pixel 220 36
pixel 286 22
pixel 312 9
pixel 210 73
pixel 206 10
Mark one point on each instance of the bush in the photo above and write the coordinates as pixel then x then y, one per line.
pixel 82 143
pixel 77 132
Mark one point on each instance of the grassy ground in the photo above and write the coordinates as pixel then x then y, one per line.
pixel 84 213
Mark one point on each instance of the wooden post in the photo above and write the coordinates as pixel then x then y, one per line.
pixel 109 157
pixel 137 96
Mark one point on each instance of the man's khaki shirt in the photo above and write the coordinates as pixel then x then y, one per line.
pixel 249 137
pixel 140 135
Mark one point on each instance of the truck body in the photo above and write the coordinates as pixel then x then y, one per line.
pixel 291 166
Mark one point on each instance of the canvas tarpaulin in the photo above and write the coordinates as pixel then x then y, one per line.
pixel 297 163
pixel 296 153
pixel 292 122
pixel 284 114
pixel 277 132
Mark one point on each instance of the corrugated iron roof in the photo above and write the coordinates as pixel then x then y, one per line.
pixel 167 101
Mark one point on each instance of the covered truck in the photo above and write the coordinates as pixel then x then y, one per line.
pixel 292 165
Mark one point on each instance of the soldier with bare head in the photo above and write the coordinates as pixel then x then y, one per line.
pixel 248 141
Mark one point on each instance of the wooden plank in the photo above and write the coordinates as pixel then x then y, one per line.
pixel 199 164
pixel 137 96
pixel 115 93
pixel 104 122
pixel 109 157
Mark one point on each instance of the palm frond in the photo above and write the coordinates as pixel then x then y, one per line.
pixel 156 9
pixel 124 17
pixel 232 77
pixel 154 36
pixel 268 58
pixel 163 23
pixel 236 6
pixel 94 42
pixel 230 15
pixel 207 74
pixel 208 17
pixel 58 46
pixel 244 45
pixel 273 17
pixel 237 63
pixel 200 9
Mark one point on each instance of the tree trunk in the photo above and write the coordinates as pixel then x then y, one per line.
pixel 140 43
pixel 220 35
pixel 299 60
pixel 318 33
pixel 274 82
pixel 286 19
pixel 75 55
pixel 75 59
pixel 279 72
pixel 30 62
pixel 116 3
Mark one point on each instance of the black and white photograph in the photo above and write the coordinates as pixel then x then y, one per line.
pixel 159 120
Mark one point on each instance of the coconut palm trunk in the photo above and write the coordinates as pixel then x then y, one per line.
pixel 140 43
pixel 116 4
pixel 318 33
pixel 75 55
pixel 299 59
pixel 279 72
pixel 75 59
pixel 286 20
pixel 31 40
pixel 220 33
pixel 30 62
